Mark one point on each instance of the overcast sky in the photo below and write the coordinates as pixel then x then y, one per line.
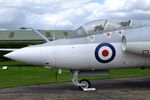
pixel 67 14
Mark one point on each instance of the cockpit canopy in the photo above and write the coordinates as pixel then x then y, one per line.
pixel 101 26
pixel 105 25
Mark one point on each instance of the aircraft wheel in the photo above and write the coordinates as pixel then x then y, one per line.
pixel 86 83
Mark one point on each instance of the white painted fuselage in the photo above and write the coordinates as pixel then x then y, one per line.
pixel 77 56
pixel 91 52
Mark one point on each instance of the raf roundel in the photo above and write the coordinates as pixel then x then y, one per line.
pixel 105 53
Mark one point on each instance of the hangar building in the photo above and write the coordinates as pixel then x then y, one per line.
pixel 30 36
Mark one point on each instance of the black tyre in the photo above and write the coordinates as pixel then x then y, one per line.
pixel 86 82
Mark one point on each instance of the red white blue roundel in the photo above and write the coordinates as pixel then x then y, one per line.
pixel 105 53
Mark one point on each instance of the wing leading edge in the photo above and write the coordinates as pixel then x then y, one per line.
pixel 1 49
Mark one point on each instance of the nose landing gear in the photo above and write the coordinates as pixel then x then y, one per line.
pixel 84 84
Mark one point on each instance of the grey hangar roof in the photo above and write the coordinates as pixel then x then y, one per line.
pixel 30 36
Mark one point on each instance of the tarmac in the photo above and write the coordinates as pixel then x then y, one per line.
pixel 108 89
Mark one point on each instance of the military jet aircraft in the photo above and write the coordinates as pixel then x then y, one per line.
pixel 92 49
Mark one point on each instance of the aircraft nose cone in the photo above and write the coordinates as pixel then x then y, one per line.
pixel 29 55
pixel 10 55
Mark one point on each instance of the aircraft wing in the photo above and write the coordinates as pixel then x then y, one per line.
pixel 7 49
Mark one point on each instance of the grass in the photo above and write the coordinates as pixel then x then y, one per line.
pixel 22 76
pixel 30 75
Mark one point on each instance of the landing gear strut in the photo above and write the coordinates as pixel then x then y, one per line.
pixel 83 84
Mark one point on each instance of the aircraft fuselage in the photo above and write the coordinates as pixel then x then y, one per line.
pixel 94 52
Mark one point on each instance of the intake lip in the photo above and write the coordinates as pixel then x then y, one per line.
pixel 124 43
